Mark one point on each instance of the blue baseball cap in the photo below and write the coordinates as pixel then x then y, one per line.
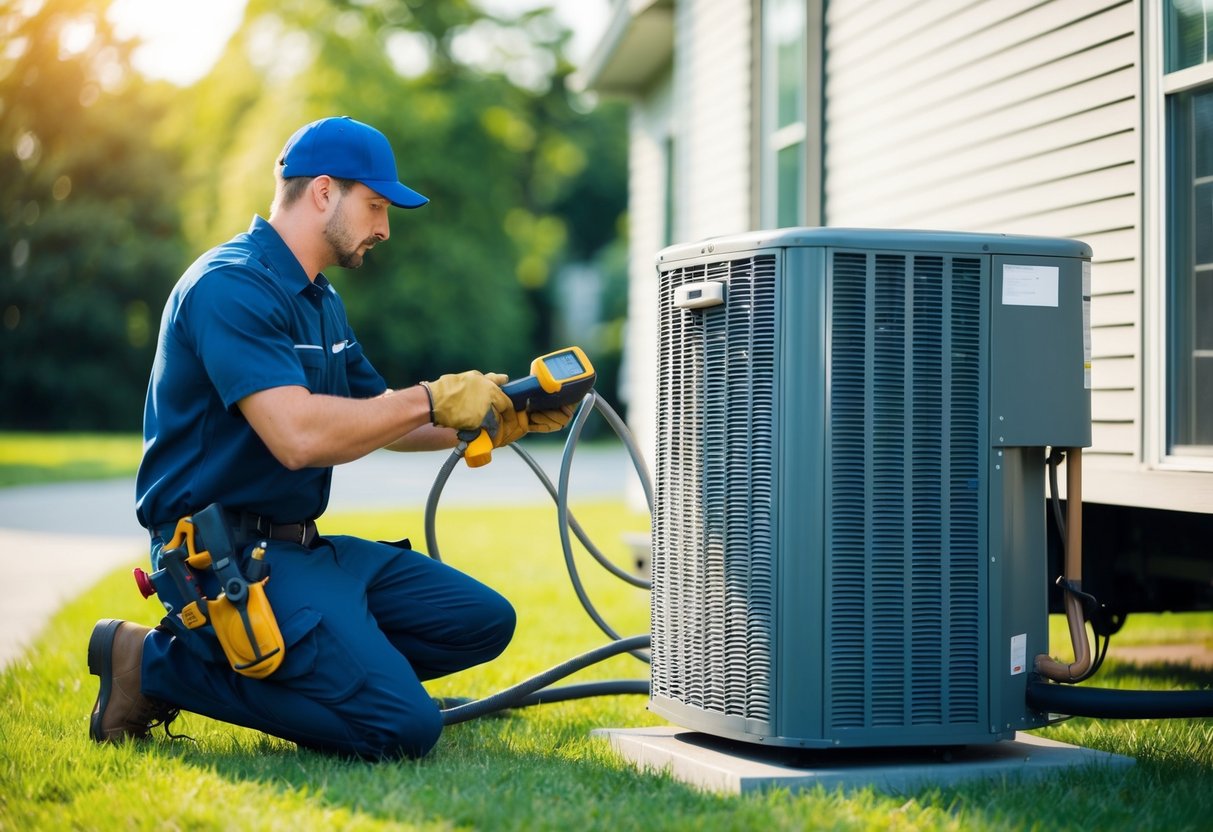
pixel 347 149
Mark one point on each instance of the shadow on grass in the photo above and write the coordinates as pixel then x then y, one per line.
pixel 1177 674
pixel 521 772
pixel 504 773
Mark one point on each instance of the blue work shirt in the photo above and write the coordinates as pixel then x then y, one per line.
pixel 243 318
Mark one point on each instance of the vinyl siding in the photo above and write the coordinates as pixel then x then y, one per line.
pixel 706 106
pixel 1013 116
pixel 712 89
pixel 650 123
pixel 1008 116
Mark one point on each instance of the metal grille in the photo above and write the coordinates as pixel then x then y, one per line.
pixel 903 562
pixel 713 567
pixel 904 641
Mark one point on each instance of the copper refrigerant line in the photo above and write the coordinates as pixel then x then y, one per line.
pixel 1067 698
pixel 1046 665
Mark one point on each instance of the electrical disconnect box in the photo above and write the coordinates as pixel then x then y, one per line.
pixel 849 531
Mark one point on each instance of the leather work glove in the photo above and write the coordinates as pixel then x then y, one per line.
pixel 511 426
pixel 461 400
pixel 514 425
pixel 549 421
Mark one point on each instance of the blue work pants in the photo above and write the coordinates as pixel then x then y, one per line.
pixel 365 624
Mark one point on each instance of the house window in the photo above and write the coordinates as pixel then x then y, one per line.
pixel 784 81
pixel 1188 82
pixel 668 206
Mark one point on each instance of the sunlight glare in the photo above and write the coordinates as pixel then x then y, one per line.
pixel 182 39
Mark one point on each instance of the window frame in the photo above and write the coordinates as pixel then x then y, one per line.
pixel 1157 87
pixel 773 138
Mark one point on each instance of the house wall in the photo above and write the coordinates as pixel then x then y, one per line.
pixel 1011 117
pixel 712 85
pixel 1006 116
pixel 650 126
pixel 704 104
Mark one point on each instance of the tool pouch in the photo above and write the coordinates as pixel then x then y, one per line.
pixel 240 614
pixel 248 633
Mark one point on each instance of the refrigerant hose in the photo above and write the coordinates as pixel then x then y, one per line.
pixel 1042 694
pixel 1071 700
pixel 535 690
pixel 1110 703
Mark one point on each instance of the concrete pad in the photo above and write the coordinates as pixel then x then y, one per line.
pixel 720 765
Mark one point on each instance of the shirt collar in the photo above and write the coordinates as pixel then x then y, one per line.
pixel 280 258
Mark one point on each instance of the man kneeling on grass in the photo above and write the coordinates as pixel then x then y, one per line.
pixel 258 388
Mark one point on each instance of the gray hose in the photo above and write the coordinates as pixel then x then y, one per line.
pixel 431 502
pixel 535 691
pixel 560 495
pixel 514 696
pixel 582 537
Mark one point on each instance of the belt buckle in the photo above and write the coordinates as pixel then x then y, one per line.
pixel 267 531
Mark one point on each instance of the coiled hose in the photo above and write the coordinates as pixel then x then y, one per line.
pixel 535 690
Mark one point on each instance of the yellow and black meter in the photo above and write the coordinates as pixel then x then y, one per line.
pixel 557 379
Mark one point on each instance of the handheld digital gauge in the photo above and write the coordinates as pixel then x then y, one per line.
pixel 557 379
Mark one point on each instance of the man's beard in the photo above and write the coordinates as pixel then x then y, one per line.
pixel 338 236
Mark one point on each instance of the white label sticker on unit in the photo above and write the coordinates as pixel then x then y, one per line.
pixel 1019 654
pixel 1029 285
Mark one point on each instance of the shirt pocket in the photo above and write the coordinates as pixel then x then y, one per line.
pixel 313 361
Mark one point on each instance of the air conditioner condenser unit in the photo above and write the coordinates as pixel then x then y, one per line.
pixel 849 528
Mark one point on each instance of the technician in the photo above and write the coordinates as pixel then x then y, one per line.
pixel 259 387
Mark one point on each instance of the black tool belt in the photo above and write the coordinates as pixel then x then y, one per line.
pixel 248 527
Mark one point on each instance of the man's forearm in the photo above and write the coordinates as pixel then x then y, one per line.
pixel 425 438
pixel 306 430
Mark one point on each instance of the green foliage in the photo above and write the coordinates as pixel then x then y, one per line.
pixel 523 177
pixel 466 280
pixel 88 230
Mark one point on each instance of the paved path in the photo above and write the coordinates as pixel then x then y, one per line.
pixel 57 540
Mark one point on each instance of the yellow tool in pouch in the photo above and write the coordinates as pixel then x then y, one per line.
pixel 240 615
pixel 248 633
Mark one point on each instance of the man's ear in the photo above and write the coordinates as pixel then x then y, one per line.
pixel 322 191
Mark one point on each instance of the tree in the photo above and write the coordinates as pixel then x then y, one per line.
pixel 88 231
pixel 110 185
pixel 492 137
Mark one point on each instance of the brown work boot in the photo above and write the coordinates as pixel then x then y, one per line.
pixel 115 654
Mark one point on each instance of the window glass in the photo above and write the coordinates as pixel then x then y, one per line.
pixel 790 186
pixel 667 218
pixel 1188 33
pixel 786 25
pixel 1190 271
pixel 784 102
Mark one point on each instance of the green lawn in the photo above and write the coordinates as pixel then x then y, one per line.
pixel 32 458
pixel 539 768
pixel 534 769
